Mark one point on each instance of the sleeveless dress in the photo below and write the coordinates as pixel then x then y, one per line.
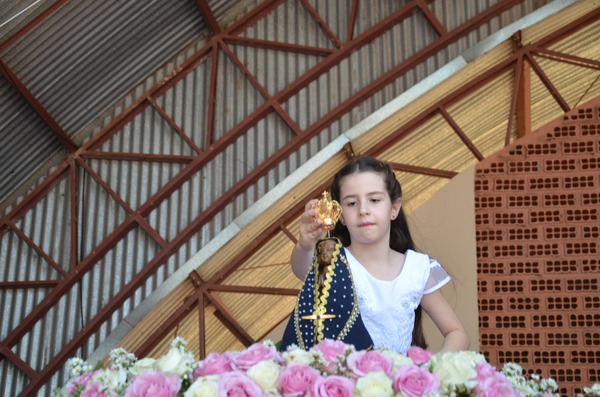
pixel 388 307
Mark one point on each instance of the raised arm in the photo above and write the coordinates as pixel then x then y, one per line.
pixel 310 231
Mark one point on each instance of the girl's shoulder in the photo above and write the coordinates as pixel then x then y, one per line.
pixel 418 256
pixel 420 260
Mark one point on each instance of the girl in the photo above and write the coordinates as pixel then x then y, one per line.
pixel 392 281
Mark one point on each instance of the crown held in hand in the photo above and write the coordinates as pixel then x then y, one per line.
pixel 329 211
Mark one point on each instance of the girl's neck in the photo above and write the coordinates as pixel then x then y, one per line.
pixel 368 254
pixel 382 263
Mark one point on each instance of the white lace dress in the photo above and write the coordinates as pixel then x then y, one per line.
pixel 388 307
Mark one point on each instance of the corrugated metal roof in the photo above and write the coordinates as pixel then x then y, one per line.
pixel 87 55
pixel 100 61
pixel 15 14
pixel 26 139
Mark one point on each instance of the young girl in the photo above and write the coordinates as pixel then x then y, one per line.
pixel 392 282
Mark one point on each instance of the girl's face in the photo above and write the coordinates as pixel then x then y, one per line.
pixel 367 209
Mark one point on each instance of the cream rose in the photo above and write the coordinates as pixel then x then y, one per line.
pixel 205 386
pixel 457 368
pixel 143 365
pixel 374 384
pixel 176 361
pixel 399 360
pixel 300 356
pixel 265 373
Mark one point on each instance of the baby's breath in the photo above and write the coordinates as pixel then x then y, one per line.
pixel 593 391
pixel 76 367
pixel 122 359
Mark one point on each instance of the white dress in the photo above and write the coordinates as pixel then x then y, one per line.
pixel 388 307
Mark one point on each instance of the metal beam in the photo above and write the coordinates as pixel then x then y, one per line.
pixel 548 83
pixel 33 23
pixel 463 137
pixel 523 105
pixel 322 24
pixel 184 235
pixel 209 17
pixel 413 169
pixel 228 319
pixel 278 46
pixel 37 107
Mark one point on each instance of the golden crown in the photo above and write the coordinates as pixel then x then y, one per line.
pixel 329 211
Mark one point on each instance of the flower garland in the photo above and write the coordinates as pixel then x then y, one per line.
pixel 330 368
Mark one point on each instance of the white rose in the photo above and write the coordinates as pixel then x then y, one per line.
pixel 374 384
pixel 457 368
pixel 143 365
pixel 399 360
pixel 297 355
pixel 265 373
pixel 205 386
pixel 176 361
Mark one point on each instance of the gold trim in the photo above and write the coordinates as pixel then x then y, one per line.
pixel 322 292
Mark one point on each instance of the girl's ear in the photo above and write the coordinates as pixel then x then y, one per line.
pixel 396 205
pixel 342 220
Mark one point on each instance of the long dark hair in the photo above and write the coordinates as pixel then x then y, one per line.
pixel 400 238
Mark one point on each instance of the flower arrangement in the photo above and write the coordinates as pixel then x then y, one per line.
pixel 330 368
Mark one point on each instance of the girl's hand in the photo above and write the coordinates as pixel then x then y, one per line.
pixel 311 228
pixel 310 231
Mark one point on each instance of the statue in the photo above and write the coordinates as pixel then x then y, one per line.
pixel 321 311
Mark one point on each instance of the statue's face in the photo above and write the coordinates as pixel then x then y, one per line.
pixel 325 250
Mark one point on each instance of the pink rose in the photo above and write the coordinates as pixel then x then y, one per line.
pixel 213 364
pixel 237 384
pixel 414 381
pixel 362 362
pixel 154 383
pixel 484 370
pixel 496 386
pixel 333 386
pixel 296 380
pixel 491 383
pixel 331 351
pixel 254 354
pixel 418 355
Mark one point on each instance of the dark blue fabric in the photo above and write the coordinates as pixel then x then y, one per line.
pixel 347 326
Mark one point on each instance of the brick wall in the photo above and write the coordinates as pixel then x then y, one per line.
pixel 538 251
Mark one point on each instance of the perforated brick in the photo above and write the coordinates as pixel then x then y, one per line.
pixel 524 267
pixel 537 216
pixel 524 304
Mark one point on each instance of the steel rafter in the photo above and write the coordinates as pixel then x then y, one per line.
pixel 546 81
pixel 520 103
pixel 273 104
pixel 18 85
pixel 32 24
pixel 522 54
pixel 209 17
pixel 322 24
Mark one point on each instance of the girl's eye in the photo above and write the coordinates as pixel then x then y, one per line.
pixel 351 203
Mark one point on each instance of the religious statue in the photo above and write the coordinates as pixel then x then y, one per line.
pixel 327 306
